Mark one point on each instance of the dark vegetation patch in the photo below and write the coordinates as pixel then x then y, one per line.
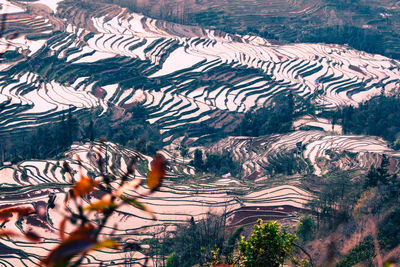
pixel 349 200
pixel 126 127
pixel 369 40
pixel 363 252
pixel 43 141
pixel 389 234
pixel 193 242
pixel 278 118
pixel 288 163
pixel 218 164
pixel 378 116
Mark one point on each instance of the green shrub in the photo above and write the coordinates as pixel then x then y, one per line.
pixel 268 245
pixel 364 251
pixel 173 260
pixel 389 230
pixel 305 229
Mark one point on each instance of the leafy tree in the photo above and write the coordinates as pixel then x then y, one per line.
pixel 173 260
pixel 52 139
pixel 198 160
pixel 127 127
pixel 335 200
pixel 197 242
pixel 377 116
pixel 217 164
pixel 72 126
pixel 364 251
pixel 305 229
pixel 221 164
pixel 379 175
pixel 91 131
pixel 230 246
pixel 184 151
pixel 389 233
pixel 276 119
pixel 287 163
pixel 268 245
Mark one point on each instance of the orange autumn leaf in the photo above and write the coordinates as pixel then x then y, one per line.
pixel 84 186
pixel 79 241
pixel 157 173
pixel 62 254
pixel 21 211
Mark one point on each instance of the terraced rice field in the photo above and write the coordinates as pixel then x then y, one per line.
pixel 34 183
pixel 41 183
pixel 256 7
pixel 324 152
pixel 183 80
pixel 186 77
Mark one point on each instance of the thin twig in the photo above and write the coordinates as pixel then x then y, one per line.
pixel 305 252
pixel 108 212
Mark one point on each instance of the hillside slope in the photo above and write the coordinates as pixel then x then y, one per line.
pixel 186 76
pixel 195 84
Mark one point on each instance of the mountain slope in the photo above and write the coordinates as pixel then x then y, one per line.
pixel 110 56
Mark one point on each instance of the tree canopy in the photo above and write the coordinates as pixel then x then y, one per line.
pixel 268 245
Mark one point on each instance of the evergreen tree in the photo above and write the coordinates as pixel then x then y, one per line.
pixel 379 175
pixel 91 131
pixel 306 227
pixel 198 160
